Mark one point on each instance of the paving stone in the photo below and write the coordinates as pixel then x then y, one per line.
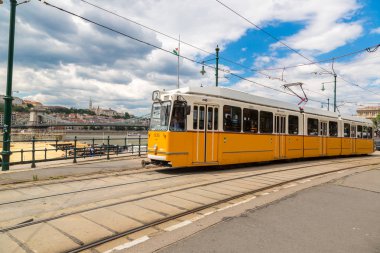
pixel 258 181
pixel 31 192
pixel 43 238
pixel 207 210
pixel 146 232
pixel 242 184
pixel 136 212
pixel 80 228
pixel 56 188
pixel 111 219
pixel 234 188
pixel 208 194
pixel 11 195
pixel 267 179
pixel 219 190
pixel 186 204
pixel 8 245
pixel 167 224
pixel 193 197
pixel 158 206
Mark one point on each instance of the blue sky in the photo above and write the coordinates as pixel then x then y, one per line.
pixel 62 60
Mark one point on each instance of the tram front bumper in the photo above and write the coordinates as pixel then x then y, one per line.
pixel 157 157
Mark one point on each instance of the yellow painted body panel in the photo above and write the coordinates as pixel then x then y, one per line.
pixel 312 146
pixel 333 146
pixel 245 148
pixel 347 146
pixel 188 148
pixel 294 146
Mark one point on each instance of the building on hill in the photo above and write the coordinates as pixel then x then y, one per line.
pixel 55 107
pixel 16 100
pixel 34 103
pixel 107 112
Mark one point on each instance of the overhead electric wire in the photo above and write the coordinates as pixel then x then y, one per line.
pixel 160 48
pixel 290 48
pixel 159 32
pixel 173 38
pixel 367 49
pixel 223 58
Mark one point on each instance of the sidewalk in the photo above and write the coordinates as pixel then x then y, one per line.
pixel 340 216
pixel 64 168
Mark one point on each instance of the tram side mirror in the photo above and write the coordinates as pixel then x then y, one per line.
pixel 188 109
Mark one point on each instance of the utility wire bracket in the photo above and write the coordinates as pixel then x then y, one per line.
pixel 302 96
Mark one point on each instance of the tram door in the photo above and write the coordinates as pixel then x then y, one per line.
pixel 353 139
pixel 205 124
pixel 323 140
pixel 280 139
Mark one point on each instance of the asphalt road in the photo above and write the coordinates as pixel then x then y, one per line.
pixel 341 216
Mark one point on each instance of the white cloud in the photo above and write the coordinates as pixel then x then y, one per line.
pixel 375 30
pixel 63 60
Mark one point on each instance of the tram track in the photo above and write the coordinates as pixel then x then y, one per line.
pixel 86 190
pixel 151 180
pixel 130 183
pixel 154 170
pixel 206 206
pixel 281 179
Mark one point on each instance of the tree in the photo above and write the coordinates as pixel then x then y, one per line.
pixel 127 115
pixel 376 121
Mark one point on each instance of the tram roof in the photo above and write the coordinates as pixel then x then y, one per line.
pixel 228 93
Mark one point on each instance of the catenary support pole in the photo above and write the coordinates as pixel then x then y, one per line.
pixel 8 95
pixel 334 92
pixel 217 65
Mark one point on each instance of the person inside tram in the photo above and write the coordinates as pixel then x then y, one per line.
pixel 228 123
pixel 254 128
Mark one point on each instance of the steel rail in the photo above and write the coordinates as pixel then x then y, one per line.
pixel 26 224
pixel 173 217
pixel 86 190
pixel 5 187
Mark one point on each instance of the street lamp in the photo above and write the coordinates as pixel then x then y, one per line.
pixel 323 86
pixel 216 67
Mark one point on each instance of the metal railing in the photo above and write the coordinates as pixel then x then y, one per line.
pixel 42 150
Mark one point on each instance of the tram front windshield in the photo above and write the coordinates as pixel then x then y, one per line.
pixel 160 116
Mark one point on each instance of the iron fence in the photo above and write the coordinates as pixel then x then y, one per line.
pixel 42 150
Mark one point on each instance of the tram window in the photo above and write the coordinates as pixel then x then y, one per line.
pixel 178 120
pixel 293 124
pixel 369 135
pixel 209 118
pixel 346 130
pixel 312 126
pixel 333 128
pixel 250 120
pixel 266 122
pixel 201 117
pixel 231 118
pixel 364 133
pixel 216 118
pixel 195 117
pixel 359 132
pixel 353 131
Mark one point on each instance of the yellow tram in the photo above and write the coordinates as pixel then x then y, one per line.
pixel 205 126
